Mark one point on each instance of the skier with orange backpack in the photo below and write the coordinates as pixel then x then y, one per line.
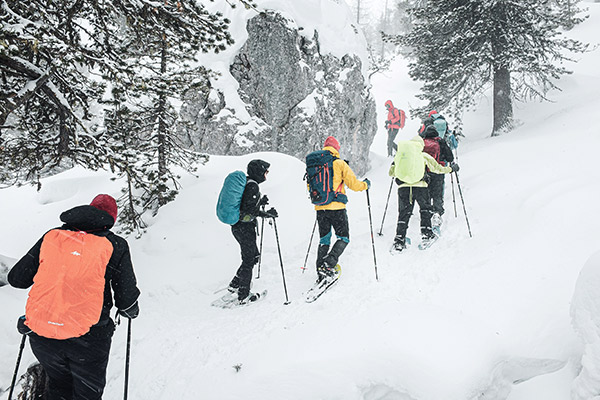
pixel 73 271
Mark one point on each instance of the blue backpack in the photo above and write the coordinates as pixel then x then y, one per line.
pixel 230 198
pixel 319 176
pixel 441 126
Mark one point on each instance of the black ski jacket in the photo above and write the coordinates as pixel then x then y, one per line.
pixel 119 275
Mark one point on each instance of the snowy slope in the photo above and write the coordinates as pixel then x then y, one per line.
pixel 462 320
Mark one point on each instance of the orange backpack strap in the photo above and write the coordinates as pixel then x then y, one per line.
pixel 68 290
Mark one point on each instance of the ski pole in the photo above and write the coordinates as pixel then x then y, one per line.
pixel 386 206
pixel 287 301
pixel 127 352
pixel 262 229
pixel 372 238
pixel 309 243
pixel 453 196
pixel 463 204
pixel 14 378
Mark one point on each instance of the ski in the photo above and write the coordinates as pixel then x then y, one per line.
pixel 394 251
pixel 321 287
pixel 230 300
pixel 425 244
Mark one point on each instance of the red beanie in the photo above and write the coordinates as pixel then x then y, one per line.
pixel 106 203
pixel 332 142
pixel 432 112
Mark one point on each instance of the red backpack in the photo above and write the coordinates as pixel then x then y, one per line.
pixel 432 147
pixel 402 118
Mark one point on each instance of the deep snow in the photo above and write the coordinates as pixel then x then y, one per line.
pixel 462 320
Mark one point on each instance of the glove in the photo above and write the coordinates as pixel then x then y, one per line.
pixel 21 327
pixel 368 182
pixel 263 201
pixel 386 124
pixel 131 312
pixel 271 213
pixel 454 167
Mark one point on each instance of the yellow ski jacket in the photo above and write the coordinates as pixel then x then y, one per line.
pixel 342 176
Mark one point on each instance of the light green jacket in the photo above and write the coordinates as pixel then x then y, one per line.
pixel 429 162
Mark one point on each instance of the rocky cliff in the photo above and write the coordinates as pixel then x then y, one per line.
pixel 294 96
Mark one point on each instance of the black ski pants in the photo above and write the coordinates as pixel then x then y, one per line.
pixel 436 191
pixel 391 146
pixel 407 196
pixel 338 220
pixel 76 368
pixel 245 234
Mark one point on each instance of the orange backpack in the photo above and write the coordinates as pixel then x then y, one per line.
pixel 68 289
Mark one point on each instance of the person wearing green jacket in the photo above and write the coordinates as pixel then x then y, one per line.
pixel 409 171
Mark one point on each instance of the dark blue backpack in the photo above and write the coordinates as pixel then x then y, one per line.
pixel 319 176
pixel 230 198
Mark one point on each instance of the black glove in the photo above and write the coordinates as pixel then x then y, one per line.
pixel 454 167
pixel 21 327
pixel 263 201
pixel 131 312
pixel 386 124
pixel 368 182
pixel 271 213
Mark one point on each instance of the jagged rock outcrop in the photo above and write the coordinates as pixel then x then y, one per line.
pixel 295 97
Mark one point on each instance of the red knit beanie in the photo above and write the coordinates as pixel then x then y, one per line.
pixel 106 203
pixel 332 142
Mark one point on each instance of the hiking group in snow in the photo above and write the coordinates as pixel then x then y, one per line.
pixel 76 270
pixel 418 169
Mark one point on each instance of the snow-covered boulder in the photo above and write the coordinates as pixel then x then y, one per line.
pixel 5 264
pixel 294 92
pixel 585 318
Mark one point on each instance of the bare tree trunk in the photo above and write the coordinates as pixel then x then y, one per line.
pixel 63 137
pixel 503 111
pixel 162 116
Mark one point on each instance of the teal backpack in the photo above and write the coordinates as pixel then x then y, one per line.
pixel 230 198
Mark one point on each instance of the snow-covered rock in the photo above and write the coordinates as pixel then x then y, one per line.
pixel 5 264
pixel 294 93
pixel 585 318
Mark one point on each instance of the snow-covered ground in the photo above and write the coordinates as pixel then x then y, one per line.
pixel 463 320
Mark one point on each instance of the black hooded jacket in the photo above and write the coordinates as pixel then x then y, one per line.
pixel 445 151
pixel 250 208
pixel 119 275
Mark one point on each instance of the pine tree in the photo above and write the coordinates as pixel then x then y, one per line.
pixel 94 82
pixel 462 47
pixel 46 92
pixel 161 54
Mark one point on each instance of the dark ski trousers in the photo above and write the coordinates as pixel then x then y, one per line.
pixel 407 196
pixel 245 234
pixel 391 146
pixel 436 191
pixel 76 368
pixel 338 220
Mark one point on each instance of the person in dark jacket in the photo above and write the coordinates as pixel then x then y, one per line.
pixel 444 156
pixel 67 315
pixel 244 231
